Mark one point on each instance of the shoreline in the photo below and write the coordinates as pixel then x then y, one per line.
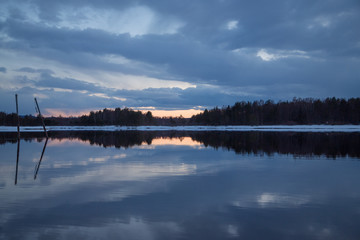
pixel 243 128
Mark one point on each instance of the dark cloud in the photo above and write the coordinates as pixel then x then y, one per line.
pixel 47 80
pixel 3 69
pixel 189 61
pixel 309 25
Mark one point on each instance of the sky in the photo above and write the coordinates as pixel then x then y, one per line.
pixel 174 57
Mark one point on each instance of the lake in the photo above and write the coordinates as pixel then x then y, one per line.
pixel 180 185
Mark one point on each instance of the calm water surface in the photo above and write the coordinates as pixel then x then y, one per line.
pixel 181 185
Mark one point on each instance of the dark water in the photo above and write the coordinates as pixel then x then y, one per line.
pixel 181 185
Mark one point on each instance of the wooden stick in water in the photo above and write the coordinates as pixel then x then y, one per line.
pixel 42 119
pixel 18 139
pixel 17 114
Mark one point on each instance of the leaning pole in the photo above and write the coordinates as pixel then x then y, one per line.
pixel 42 119
pixel 18 139
pixel 17 114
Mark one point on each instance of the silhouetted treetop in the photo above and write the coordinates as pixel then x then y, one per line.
pixel 298 111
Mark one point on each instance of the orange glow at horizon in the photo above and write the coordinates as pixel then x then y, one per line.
pixel 187 113
pixel 184 141
pixel 65 141
pixel 174 113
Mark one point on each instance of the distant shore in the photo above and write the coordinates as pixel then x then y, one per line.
pixel 242 128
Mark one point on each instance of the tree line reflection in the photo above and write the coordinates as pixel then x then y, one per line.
pixel 331 145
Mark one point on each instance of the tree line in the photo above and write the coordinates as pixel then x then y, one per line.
pixel 117 116
pixel 298 111
pixel 126 116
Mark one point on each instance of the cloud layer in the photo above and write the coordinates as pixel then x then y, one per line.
pixel 172 55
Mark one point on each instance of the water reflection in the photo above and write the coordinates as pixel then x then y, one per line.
pixel 37 167
pixel 17 159
pixel 172 185
pixel 331 145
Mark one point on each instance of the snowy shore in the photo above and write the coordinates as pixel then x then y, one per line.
pixel 269 128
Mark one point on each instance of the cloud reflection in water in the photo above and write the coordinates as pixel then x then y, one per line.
pixel 173 190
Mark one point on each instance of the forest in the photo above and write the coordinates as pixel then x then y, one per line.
pixel 296 112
